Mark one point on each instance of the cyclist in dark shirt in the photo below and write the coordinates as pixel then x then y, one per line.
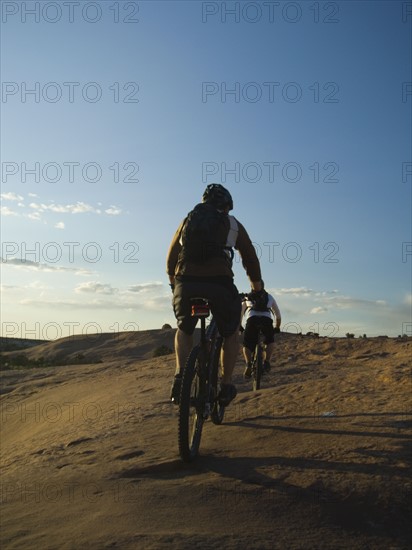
pixel 211 279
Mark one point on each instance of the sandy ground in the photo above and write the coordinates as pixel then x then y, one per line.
pixel 318 458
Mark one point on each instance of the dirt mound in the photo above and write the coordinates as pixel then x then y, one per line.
pixel 318 458
pixel 94 348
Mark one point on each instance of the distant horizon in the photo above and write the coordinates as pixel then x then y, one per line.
pixel 94 336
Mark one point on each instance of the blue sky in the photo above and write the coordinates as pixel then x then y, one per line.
pixel 116 115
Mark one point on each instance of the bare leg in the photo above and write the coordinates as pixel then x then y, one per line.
pixel 230 352
pixel 183 345
pixel 247 355
pixel 269 350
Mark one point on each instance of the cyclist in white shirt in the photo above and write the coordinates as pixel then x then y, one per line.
pixel 259 308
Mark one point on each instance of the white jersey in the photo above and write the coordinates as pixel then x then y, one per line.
pixel 273 309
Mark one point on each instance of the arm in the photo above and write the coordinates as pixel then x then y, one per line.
pixel 276 312
pixel 173 254
pixel 250 261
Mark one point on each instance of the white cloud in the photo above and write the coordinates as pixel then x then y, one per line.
pixel 318 309
pixel 6 288
pixel 78 208
pixel 11 197
pixel 37 285
pixel 20 263
pixel 34 216
pixel 95 287
pixel 158 303
pixel 349 302
pixel 298 291
pixel 36 209
pixel 328 299
pixel 6 211
pixel 82 305
pixel 113 210
pixel 59 225
pixel 144 287
pixel 93 295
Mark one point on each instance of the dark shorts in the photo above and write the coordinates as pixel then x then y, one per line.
pixel 223 297
pixel 250 336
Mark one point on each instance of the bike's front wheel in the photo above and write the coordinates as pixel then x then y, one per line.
pixel 258 368
pixel 191 407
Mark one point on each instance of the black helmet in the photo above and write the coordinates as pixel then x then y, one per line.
pixel 218 195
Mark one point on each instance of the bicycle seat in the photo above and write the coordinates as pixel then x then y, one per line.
pixel 200 307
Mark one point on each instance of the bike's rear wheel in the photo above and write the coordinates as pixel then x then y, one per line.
pixel 218 410
pixel 191 407
pixel 258 368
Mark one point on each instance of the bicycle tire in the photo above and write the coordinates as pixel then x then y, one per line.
pixel 218 410
pixel 191 407
pixel 258 368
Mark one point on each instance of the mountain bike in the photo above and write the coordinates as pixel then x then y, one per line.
pixel 257 355
pixel 200 384
pixel 257 360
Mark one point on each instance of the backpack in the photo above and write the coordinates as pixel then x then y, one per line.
pixel 260 302
pixel 204 234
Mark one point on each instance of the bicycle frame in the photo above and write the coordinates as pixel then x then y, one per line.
pixel 261 341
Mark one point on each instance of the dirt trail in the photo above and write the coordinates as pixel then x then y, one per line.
pixel 319 458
